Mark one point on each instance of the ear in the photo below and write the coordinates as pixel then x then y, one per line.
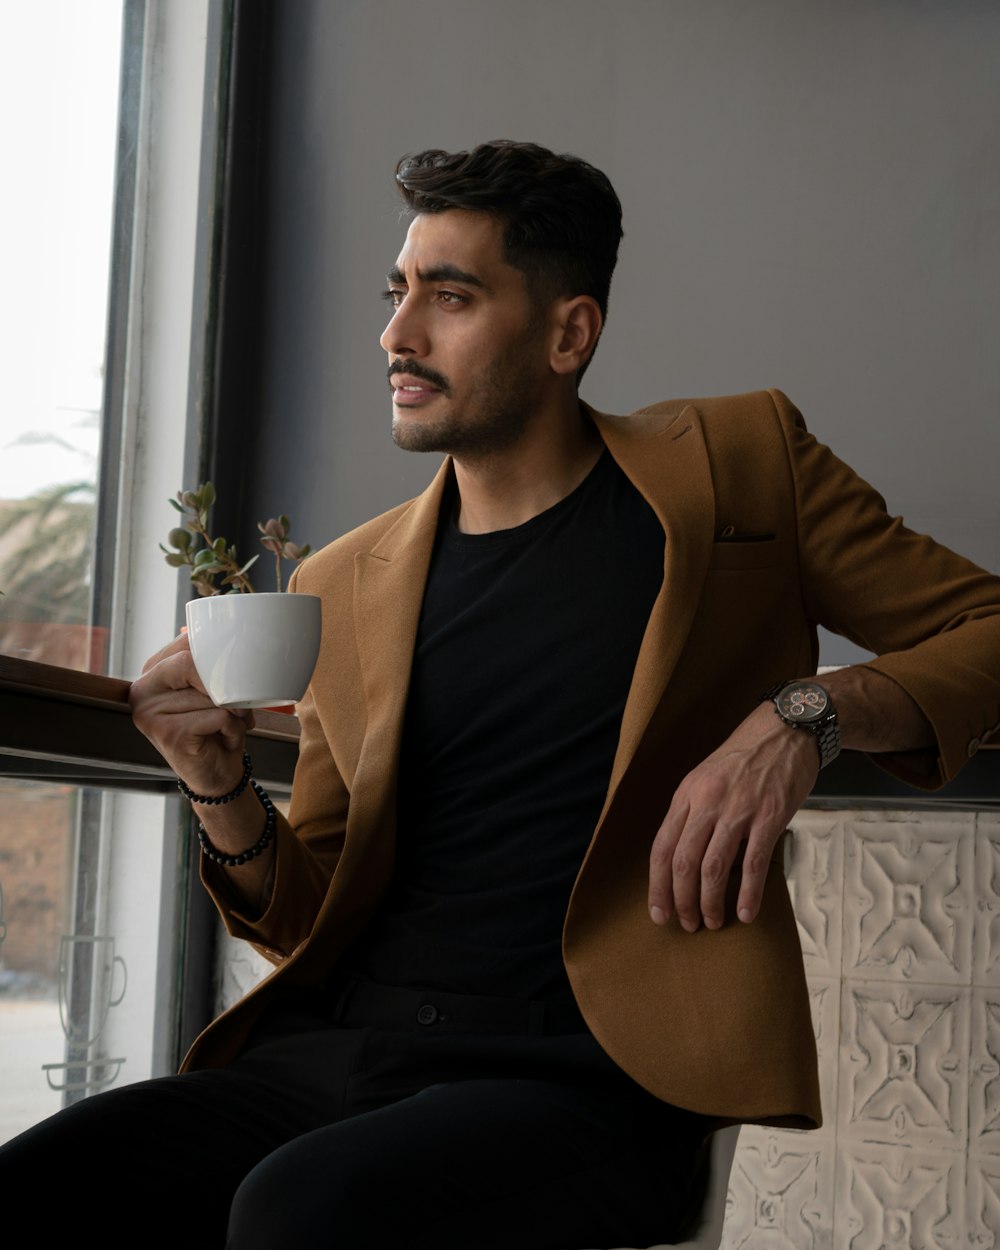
pixel 577 327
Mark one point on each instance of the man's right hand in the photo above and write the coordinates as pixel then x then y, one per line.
pixel 202 743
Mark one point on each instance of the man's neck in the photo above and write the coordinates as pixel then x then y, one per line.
pixel 546 464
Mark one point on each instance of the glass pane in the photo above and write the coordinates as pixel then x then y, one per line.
pixel 58 130
pixel 81 1008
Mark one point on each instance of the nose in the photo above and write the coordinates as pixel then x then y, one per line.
pixel 405 335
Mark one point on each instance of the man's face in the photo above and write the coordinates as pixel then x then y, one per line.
pixel 466 348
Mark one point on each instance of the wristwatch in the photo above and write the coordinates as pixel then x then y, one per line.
pixel 806 705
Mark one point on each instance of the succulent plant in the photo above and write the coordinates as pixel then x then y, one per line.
pixel 215 566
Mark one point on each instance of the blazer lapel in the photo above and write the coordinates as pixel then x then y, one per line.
pixel 662 451
pixel 388 591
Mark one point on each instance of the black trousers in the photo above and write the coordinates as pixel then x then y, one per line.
pixel 324 1135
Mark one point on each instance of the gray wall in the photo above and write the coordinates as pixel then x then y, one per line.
pixel 812 201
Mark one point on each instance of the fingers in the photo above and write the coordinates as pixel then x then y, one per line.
pixel 756 862
pixel 171 672
pixel 744 793
pixel 177 730
pixel 661 862
pixel 171 707
pixel 693 857
pixel 690 863
pixel 180 643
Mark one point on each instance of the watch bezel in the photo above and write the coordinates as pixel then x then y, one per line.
pixel 807 711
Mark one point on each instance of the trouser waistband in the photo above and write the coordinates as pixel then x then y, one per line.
pixel 359 1003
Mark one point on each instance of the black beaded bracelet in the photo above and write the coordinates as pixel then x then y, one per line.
pixel 234 861
pixel 211 799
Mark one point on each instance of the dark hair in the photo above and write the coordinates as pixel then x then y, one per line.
pixel 562 219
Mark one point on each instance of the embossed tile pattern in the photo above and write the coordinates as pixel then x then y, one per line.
pixel 899 917
pixel 780 1190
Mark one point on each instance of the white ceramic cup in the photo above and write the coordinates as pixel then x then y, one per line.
pixel 255 650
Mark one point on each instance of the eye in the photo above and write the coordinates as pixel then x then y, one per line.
pixel 393 296
pixel 451 298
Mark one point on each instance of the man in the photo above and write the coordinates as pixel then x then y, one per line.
pixel 532 944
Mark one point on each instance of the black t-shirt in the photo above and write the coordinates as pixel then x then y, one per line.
pixel 524 656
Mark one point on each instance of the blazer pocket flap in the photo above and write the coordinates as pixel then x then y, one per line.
pixel 744 551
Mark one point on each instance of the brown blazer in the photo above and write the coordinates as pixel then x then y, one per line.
pixel 767 533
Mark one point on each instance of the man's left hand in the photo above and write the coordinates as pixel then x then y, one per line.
pixel 746 791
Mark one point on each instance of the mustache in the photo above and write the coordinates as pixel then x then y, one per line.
pixel 414 369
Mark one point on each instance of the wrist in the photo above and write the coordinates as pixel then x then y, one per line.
pixel 226 796
pixel 214 849
pixel 807 707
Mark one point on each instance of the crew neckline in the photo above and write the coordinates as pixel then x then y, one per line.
pixel 527 528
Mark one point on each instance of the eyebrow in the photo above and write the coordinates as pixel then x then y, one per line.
pixel 439 273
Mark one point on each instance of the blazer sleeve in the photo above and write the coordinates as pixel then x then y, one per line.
pixel 931 616
pixel 309 841
pixel 308 845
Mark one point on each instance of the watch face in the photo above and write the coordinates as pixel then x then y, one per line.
pixel 803 701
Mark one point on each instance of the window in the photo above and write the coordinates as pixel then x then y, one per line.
pixel 101 322
pixel 54 253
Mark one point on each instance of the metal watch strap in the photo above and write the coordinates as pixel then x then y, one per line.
pixel 828 741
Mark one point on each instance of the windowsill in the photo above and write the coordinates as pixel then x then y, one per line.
pixel 60 724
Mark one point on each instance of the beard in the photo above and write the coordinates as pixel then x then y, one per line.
pixel 493 417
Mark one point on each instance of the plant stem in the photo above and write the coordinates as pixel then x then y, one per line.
pixel 232 566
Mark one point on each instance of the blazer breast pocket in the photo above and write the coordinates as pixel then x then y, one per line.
pixel 744 551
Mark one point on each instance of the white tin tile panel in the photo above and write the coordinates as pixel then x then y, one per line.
pixel 824 1001
pixel 908 901
pixel 238 968
pixel 983 1202
pixel 984 1086
pixel 899 1198
pixel 904 1065
pixel 986 944
pixel 814 866
pixel 781 1188
pixel 899 915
